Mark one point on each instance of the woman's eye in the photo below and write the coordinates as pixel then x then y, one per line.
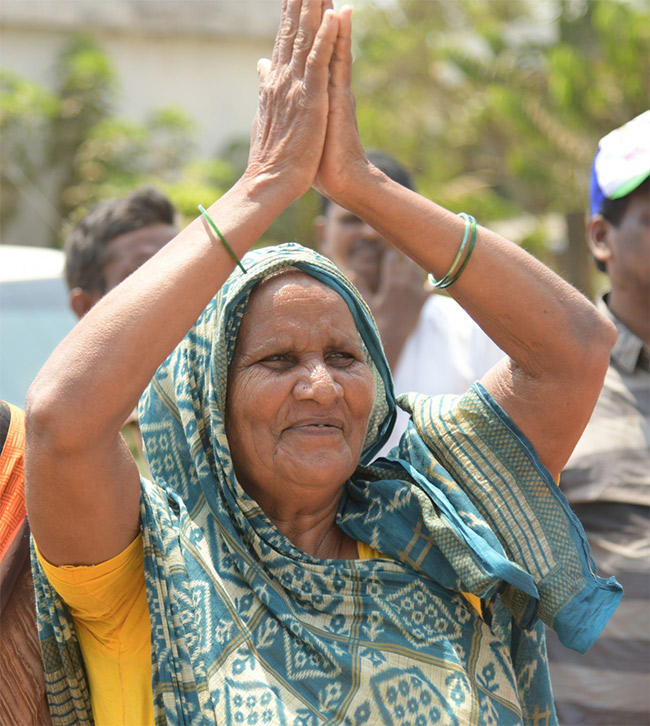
pixel 340 358
pixel 276 360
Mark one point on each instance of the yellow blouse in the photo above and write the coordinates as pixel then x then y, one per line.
pixel 108 603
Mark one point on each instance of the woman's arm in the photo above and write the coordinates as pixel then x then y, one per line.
pixel 558 344
pixel 82 484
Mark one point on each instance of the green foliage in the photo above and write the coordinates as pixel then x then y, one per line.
pixel 26 111
pixel 493 115
pixel 85 71
pixel 86 86
pixel 117 155
pixel 103 155
pixel 88 154
pixel 296 223
pixel 202 182
pixel 23 102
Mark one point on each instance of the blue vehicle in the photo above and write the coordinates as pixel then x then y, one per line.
pixel 34 315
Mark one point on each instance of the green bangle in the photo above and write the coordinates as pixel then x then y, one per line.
pixel 445 281
pixel 222 238
pixel 452 274
pixel 469 251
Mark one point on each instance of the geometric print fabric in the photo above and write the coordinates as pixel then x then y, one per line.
pixel 246 628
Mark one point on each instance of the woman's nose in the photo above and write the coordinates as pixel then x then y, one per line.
pixel 317 382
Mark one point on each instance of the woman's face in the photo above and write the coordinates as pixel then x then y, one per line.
pixel 300 391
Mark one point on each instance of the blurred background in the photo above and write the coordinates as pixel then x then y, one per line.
pixel 496 105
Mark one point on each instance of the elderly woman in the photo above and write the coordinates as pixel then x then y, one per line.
pixel 273 572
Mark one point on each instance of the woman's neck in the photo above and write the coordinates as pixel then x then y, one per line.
pixel 313 530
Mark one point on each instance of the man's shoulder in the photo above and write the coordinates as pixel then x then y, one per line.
pixel 611 461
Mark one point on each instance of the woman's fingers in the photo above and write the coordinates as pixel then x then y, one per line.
pixel 301 20
pixel 289 129
pixel 283 46
pixel 304 36
pixel 341 67
pixel 343 150
pixel 317 64
pixel 263 65
pixel 312 17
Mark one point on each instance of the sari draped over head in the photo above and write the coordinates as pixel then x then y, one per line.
pixel 247 628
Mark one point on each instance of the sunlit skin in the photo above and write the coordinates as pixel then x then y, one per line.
pixel 300 393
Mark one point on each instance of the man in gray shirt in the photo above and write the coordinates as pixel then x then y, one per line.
pixel 607 479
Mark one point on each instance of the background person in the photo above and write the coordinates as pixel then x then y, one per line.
pixel 282 578
pixel 607 478
pixel 112 240
pixel 433 346
pixel 108 244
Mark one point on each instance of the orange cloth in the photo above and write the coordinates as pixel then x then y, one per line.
pixel 22 696
pixel 12 480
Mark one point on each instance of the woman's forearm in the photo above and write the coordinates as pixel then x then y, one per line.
pixel 82 485
pixel 547 328
pixel 537 318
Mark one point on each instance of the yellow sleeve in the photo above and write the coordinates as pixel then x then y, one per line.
pixel 101 596
pixel 108 603
pixel 366 552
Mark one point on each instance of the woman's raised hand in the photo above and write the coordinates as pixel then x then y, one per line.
pixel 289 128
pixel 343 155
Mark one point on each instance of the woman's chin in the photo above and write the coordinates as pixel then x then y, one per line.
pixel 322 468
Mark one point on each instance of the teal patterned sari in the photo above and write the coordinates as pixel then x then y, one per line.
pixel 248 629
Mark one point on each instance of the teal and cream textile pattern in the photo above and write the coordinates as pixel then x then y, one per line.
pixel 247 629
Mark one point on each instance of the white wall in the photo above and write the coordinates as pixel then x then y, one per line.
pixel 200 55
pixel 213 79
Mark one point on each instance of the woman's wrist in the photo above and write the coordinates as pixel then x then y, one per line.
pixel 273 189
pixel 242 214
pixel 356 187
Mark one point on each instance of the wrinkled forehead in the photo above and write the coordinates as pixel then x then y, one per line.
pixel 277 301
pixel 279 279
pixel 291 293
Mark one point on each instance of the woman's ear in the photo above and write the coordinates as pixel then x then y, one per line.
pixel 599 233
pixel 82 300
